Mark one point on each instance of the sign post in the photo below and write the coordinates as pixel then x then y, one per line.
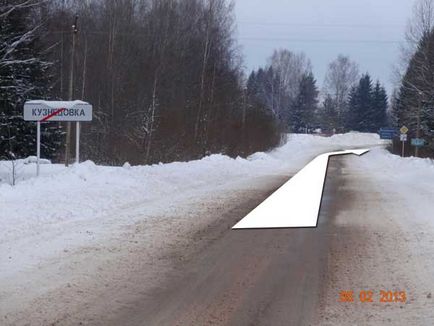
pixel 404 131
pixel 38 147
pixel 77 143
pixel 44 111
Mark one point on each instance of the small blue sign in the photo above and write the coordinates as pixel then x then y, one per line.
pixel 388 133
pixel 418 142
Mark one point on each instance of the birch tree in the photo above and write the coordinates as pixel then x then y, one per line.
pixel 341 76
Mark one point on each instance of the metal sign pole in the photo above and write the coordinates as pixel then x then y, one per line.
pixel 77 144
pixel 38 147
pixel 404 131
pixel 403 148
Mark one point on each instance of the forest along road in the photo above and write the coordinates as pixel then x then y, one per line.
pixel 249 277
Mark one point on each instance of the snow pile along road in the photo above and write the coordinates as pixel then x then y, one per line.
pixel 412 181
pixel 87 191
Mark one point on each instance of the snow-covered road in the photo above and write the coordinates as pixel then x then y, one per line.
pixel 383 241
pixel 74 236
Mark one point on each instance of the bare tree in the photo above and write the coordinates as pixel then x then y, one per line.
pixel 163 76
pixel 421 22
pixel 341 76
pixel 419 25
pixel 290 67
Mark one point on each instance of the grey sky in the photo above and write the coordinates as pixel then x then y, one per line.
pixel 366 30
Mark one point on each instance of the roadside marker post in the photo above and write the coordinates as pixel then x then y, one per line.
pixel 38 147
pixel 45 111
pixel 77 143
pixel 403 140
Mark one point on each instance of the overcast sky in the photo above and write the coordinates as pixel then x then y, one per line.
pixel 369 31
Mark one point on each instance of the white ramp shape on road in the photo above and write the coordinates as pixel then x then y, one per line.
pixel 297 203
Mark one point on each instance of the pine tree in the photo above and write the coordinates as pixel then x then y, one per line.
pixel 23 75
pixel 330 115
pixel 252 85
pixel 395 114
pixel 379 107
pixel 305 106
pixel 360 113
pixel 415 101
pixel 353 113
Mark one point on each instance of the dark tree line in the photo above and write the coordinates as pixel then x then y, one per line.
pixel 24 74
pixel 413 103
pixel 287 90
pixel 413 98
pixel 164 77
pixel 367 109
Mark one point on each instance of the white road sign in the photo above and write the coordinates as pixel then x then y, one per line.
pixel 57 111
pixel 404 137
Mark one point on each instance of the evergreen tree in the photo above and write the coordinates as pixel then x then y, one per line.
pixel 415 100
pixel 330 115
pixel 305 106
pixel 23 75
pixel 263 89
pixel 252 85
pixel 360 113
pixel 395 105
pixel 353 114
pixel 367 106
pixel 379 107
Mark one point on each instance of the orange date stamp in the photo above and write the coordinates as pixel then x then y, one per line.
pixel 368 296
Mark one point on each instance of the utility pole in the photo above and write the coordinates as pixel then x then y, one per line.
pixel 71 89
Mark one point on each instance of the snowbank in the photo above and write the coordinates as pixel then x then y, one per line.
pixel 412 181
pixel 89 191
pixel 410 172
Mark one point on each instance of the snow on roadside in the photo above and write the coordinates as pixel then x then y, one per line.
pixel 410 179
pixel 384 242
pixel 405 186
pixel 89 191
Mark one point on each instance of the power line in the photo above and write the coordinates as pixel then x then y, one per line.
pixel 321 25
pixel 293 40
pixel 255 39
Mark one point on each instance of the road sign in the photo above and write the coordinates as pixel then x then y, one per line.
pixel 418 142
pixel 387 133
pixel 404 130
pixel 404 137
pixel 43 111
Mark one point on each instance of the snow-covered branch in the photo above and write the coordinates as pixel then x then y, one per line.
pixel 8 9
